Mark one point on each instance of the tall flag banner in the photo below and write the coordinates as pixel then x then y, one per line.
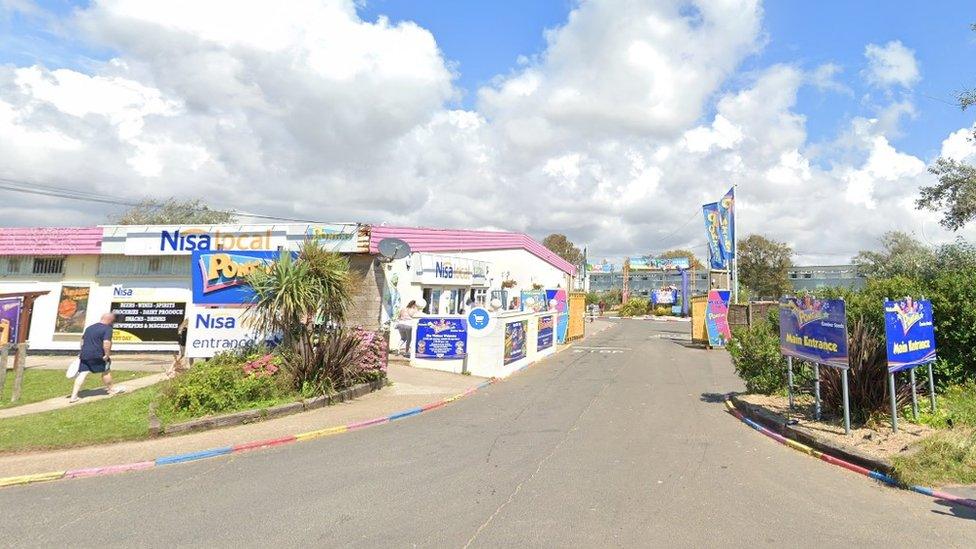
pixel 726 229
pixel 712 233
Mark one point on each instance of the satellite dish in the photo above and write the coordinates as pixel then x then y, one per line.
pixel 393 248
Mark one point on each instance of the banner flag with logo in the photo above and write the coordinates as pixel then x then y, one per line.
pixel 726 229
pixel 712 222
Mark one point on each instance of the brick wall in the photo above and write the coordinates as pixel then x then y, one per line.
pixel 367 277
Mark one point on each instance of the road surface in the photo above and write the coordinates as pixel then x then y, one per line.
pixel 619 441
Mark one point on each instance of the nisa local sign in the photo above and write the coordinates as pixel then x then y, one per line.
pixel 438 269
pixel 319 232
pixel 184 240
pixel 220 278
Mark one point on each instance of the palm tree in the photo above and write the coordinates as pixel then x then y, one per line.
pixel 304 297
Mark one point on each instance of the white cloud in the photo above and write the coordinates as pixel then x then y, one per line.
pixel 960 145
pixel 615 134
pixel 891 64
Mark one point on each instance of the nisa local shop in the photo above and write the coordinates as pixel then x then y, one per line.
pixel 142 273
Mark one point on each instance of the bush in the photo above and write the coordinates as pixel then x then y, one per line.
pixel 370 364
pixel 221 385
pixel 661 311
pixel 635 306
pixel 757 360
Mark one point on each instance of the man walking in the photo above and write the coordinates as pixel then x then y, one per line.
pixel 96 355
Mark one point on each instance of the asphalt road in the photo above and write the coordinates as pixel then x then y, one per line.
pixel 620 441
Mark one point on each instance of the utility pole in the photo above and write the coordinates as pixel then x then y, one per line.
pixel 625 293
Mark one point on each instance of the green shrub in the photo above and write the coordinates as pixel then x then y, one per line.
pixel 661 311
pixel 217 386
pixel 757 360
pixel 635 306
pixel 953 293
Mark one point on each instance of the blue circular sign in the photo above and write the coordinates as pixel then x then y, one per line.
pixel 478 318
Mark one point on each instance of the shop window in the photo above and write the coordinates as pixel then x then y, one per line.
pixel 12 265
pixel 153 265
pixel 807 275
pixel 48 265
pixel 481 297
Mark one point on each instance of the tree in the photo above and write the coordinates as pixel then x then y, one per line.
pixel 900 254
pixel 954 195
pixel 173 212
pixel 672 254
pixel 563 247
pixel 764 266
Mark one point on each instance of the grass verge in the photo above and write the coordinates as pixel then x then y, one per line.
pixel 122 417
pixel 946 457
pixel 44 384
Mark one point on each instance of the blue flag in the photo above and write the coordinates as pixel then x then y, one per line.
pixel 712 234
pixel 726 230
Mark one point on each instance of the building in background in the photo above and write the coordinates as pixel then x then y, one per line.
pixel 644 282
pixel 813 277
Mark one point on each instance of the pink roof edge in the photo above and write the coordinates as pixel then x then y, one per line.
pixel 422 239
pixel 50 240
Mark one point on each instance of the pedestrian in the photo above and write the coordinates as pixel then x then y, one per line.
pixel 603 307
pixel 96 356
pixel 405 325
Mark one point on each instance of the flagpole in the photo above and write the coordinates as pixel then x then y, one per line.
pixel 735 247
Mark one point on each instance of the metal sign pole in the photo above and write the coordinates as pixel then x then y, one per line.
pixel 931 386
pixel 914 395
pixel 894 404
pixel 789 380
pixel 816 391
pixel 847 409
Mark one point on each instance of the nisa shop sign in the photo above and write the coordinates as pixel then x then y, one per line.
pixel 220 278
pixel 189 240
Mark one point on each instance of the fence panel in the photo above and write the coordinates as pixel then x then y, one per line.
pixel 577 316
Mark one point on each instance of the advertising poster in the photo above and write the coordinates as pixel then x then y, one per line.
pixel 72 310
pixel 9 319
pixel 910 333
pixel 671 263
pixel 212 331
pixel 664 297
pixel 539 302
pixel 515 341
pixel 137 321
pixel 814 329
pixel 713 236
pixel 717 318
pixel 219 278
pixel 547 325
pixel 442 338
pixel 562 307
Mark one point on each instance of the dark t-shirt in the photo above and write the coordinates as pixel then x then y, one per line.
pixel 91 341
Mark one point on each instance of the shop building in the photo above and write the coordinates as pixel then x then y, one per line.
pixel 144 272
pixel 811 278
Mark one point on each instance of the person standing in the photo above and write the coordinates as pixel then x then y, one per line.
pixel 405 324
pixel 96 355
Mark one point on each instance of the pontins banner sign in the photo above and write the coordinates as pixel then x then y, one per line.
pixel 814 330
pixel 186 239
pixel 910 333
pixel 220 278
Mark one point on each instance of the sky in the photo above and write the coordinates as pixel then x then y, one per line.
pixel 611 121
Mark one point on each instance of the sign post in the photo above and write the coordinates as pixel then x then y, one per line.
pixel 910 342
pixel 816 330
pixel 789 380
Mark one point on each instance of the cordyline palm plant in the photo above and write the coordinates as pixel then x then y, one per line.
pixel 304 298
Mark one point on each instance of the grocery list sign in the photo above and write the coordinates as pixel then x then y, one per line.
pixel 814 330
pixel 910 333
pixel 212 331
pixel 441 338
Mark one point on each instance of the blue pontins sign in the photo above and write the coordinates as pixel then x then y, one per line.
pixel 220 278
pixel 910 333
pixel 441 338
pixel 814 330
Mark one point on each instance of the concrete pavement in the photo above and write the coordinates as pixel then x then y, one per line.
pixel 589 448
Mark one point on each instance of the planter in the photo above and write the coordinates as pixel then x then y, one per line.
pixel 156 428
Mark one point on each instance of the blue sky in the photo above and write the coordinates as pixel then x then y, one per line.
pixel 486 38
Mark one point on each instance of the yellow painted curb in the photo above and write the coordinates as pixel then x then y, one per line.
pixel 321 433
pixel 27 479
